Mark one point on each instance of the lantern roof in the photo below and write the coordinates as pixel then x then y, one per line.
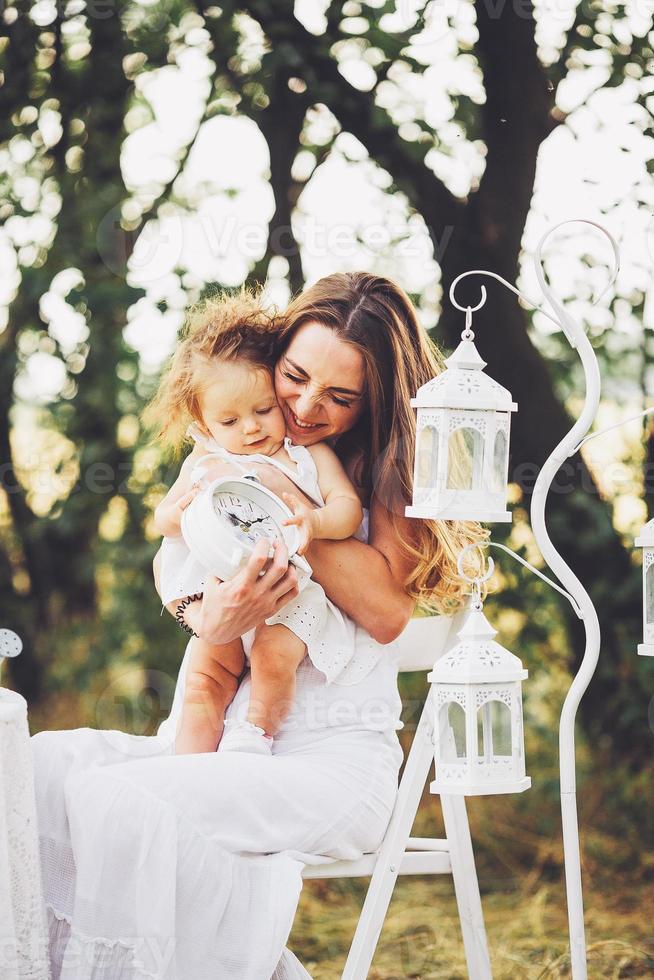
pixel 477 657
pixel 464 385
pixel 646 537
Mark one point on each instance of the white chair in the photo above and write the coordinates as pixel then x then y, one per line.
pixel 421 643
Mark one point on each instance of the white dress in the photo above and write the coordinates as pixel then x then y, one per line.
pixel 329 635
pixel 164 867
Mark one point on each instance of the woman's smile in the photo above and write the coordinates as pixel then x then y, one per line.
pixel 294 422
pixel 319 382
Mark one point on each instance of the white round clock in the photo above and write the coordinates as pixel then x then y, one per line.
pixel 222 524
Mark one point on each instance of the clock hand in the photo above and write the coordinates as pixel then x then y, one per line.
pixel 238 521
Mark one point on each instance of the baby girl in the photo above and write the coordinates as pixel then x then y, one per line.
pixel 220 380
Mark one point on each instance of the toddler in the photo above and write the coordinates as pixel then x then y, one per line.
pixel 221 381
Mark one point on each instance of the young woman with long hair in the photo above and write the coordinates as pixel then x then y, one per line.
pixel 189 867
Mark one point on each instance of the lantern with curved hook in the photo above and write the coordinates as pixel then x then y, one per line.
pixel 574 591
pixel 491 569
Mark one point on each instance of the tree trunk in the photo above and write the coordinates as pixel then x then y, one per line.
pixel 486 232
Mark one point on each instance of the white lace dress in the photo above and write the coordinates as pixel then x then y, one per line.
pixel 329 635
pixel 164 867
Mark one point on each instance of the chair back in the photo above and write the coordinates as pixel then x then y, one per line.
pixel 425 639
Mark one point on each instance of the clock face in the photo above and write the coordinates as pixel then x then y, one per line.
pixel 246 519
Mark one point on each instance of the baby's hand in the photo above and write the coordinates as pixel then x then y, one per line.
pixel 185 500
pixel 306 518
pixel 168 517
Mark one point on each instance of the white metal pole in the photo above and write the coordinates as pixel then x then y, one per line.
pixel 583 603
pixel 566 448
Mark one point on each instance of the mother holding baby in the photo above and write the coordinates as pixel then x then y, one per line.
pixel 188 867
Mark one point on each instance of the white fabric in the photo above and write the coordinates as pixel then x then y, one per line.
pixel 304 474
pixel 23 933
pixel 168 867
pixel 163 867
pixel 329 635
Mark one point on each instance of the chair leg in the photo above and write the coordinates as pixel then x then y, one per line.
pixel 391 852
pixel 466 887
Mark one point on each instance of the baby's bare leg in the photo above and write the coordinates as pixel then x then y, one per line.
pixel 275 656
pixel 211 684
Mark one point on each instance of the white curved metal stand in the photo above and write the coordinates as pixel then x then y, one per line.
pixel 567 447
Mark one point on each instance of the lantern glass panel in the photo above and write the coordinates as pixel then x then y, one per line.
pixel 465 458
pixel 452 726
pixel 500 461
pixel 493 730
pixel 649 593
pixel 427 468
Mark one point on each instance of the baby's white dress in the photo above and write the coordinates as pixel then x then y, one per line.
pixel 164 867
pixel 329 635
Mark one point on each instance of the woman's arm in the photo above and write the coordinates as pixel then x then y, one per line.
pixel 365 580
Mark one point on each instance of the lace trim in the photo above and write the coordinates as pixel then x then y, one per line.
pixel 136 964
pixel 22 921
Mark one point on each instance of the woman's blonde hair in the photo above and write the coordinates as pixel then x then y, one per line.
pixel 228 326
pixel 377 318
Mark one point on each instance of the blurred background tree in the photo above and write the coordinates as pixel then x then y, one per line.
pixel 153 150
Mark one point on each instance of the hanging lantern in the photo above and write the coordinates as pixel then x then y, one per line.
pixel 462 441
pixel 477 696
pixel 646 541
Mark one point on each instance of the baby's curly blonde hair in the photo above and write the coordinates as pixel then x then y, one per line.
pixel 228 326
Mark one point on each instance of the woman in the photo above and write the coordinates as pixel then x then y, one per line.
pixel 189 867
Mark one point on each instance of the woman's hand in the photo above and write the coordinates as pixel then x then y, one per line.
pixel 230 609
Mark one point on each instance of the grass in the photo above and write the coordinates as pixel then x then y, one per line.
pixel 526 928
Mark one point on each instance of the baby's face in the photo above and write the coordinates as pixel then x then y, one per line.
pixel 239 409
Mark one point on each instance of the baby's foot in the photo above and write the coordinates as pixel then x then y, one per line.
pixel 243 736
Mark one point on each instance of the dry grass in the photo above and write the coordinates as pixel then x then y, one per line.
pixel 527 931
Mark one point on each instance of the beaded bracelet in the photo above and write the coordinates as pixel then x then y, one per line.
pixel 179 614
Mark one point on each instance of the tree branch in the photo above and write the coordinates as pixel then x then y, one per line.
pixel 359 114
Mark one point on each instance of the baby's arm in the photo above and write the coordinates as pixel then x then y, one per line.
pixel 168 513
pixel 342 513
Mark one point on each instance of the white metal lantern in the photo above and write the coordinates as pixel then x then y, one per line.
pixel 646 541
pixel 462 441
pixel 477 696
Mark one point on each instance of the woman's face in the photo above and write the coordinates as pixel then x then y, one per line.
pixel 319 382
